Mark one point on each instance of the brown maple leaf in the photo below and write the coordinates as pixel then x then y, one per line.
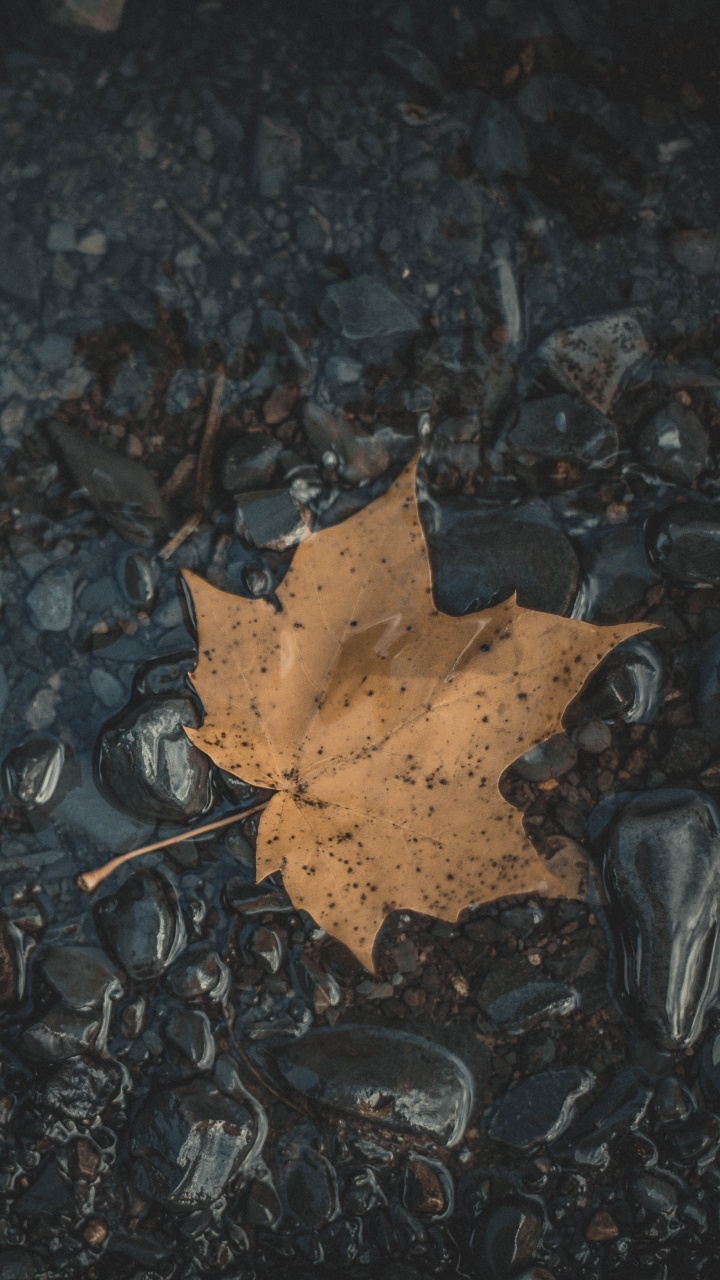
pixel 383 725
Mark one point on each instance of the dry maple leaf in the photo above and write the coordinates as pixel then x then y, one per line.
pixel 383 725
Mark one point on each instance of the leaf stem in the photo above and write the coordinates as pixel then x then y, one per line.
pixel 89 880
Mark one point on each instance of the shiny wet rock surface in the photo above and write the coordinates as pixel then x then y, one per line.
pixel 252 258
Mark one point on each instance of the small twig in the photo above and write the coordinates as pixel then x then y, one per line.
pixel 204 236
pixel 181 536
pixel 89 880
pixel 207 447
pixel 258 1074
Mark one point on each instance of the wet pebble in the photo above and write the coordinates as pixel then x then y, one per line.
pixel 482 561
pixel 499 145
pixel 629 684
pixel 250 463
pixel 119 488
pixel 264 946
pixel 60 1033
pixel 200 972
pixel 150 767
pixel 309 1189
pixel 683 543
pixel 505 1238
pixel 675 444
pixel 616 574
pixel 82 1088
pixel 191 1034
pixel 81 977
pixel 619 1109
pixel 50 600
pixel 696 250
pixel 564 426
pixel 31 771
pixel 549 759
pixel 16 1264
pixel 520 1009
pixel 263 1207
pixel 363 1071
pixel 271 519
pixel 187 1143
pixel 652 1193
pixel 365 308
pixel 427 1188
pixel 255 899
pixel 687 1140
pixel 141 925
pixel 107 688
pixel 138 576
pixel 708 689
pixel 539 1108
pixel 661 867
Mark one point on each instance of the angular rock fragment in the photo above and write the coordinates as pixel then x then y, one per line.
pixel 187 1143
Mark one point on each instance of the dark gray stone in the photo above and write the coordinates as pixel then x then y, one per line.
pixel 200 972
pixel 363 309
pixel 31 771
pixel 60 1033
pixel 539 1108
pixel 661 867
pixel 149 766
pixel 250 463
pixel 549 759
pixel 141 925
pixel 81 976
pixel 363 1070
pixel 519 1010
pixel 271 519
pixel 499 146
pixel 564 426
pixel 675 444
pixel 187 1143
pixel 189 1032
pixel 50 600
pixel 120 489
pixel 309 1189
pixel 506 1237
pixel 684 543
pixel 81 1088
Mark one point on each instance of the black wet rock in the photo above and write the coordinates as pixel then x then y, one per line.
pixel 672 1101
pixel 149 766
pixel 141 925
pixel 483 560
pixel 687 1140
pixel 683 543
pixel 521 1008
pixel 362 1192
pixel 81 977
pixel 12 963
pixel 386 1076
pixel 661 868
pixel 499 145
pixel 427 1187
pixel 675 444
pixel 616 573
pixel 16 1264
pixel 189 1032
pixel 620 1107
pixel 415 63
pixel 31 771
pixel 566 427
pixel 82 1088
pixel 539 1108
pixel 708 689
pixel 309 1188
pixel 505 1238
pixel 250 463
pixel 256 899
pixel 187 1143
pixel 120 489
pixel 710 1069
pixel 139 576
pixel 262 1207
pixel 629 683
pixel 60 1033
pixel 272 519
pixel 653 1193
pixel 199 972
pixel 315 984
pixel 264 946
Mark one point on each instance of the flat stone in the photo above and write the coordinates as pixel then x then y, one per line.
pixel 683 543
pixel 499 146
pixel 81 976
pixel 363 1070
pixel 594 357
pixel 675 444
pixel 520 1009
pixel 50 600
pixel 564 426
pixel 141 925
pixel 697 251
pixel 364 308
pixel 539 1108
